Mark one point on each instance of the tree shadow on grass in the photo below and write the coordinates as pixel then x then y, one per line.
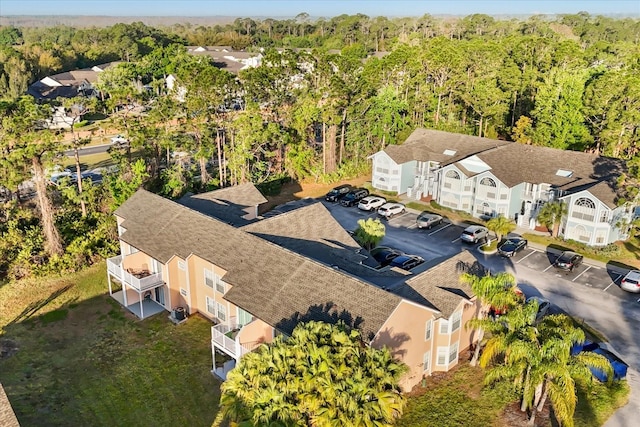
pixel 33 308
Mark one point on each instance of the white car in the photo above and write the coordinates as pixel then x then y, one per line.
pixel 388 210
pixel 370 203
pixel 631 282
pixel 119 141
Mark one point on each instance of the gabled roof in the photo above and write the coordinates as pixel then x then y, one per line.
pixel 230 204
pixel 516 163
pixel 439 146
pixel 439 287
pixel 272 283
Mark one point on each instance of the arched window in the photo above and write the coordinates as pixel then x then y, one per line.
pixel 584 209
pixel 453 174
pixel 488 182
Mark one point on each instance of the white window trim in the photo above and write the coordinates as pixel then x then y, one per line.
pixel 445 353
pixel 426 361
pixel 428 334
pixel 449 358
pixel 444 326
pixel 208 274
pixel 212 302
pixel 455 317
pixel 184 292
pixel 182 265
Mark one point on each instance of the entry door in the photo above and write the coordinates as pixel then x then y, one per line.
pixel 160 295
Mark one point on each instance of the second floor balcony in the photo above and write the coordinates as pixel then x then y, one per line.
pixel 225 337
pixel 137 278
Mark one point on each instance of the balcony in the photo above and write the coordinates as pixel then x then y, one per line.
pixel 141 280
pixel 225 338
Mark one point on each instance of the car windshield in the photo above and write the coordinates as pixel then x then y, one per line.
pixel 511 242
pixel 630 280
pixel 424 216
pixel 565 258
pixel 468 233
pixel 333 192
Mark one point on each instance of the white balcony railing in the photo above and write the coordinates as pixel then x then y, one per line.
pixel 139 281
pixel 225 338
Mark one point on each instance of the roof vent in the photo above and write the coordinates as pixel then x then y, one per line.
pixel 564 173
pixel 449 152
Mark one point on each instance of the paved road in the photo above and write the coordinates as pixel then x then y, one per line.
pixel 85 151
pixel 590 293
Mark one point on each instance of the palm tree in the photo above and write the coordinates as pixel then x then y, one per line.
pixel 551 216
pixel 501 226
pixel 537 357
pixel 492 291
pixel 321 375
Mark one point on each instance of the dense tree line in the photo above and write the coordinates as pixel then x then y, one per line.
pixel 572 83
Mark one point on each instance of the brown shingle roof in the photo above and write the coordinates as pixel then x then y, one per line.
pixel 270 282
pixel 516 163
pixel 440 287
pixel 429 145
pixel 229 204
pixel 7 416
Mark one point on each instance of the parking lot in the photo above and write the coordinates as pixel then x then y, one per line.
pixel 444 241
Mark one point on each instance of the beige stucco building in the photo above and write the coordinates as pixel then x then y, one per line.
pixel 261 278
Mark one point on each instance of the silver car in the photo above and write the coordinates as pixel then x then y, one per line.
pixel 631 282
pixel 474 234
pixel 388 210
pixel 428 220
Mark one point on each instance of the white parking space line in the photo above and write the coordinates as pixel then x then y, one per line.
pixel 547 268
pixel 527 255
pixel 612 283
pixel 396 217
pixel 440 229
pixel 574 279
pixel 412 226
pixel 455 240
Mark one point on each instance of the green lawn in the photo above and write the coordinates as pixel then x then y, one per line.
pixel 81 361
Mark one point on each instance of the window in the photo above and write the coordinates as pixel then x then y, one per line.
pixel 488 182
pixel 604 216
pixel 429 330
pixel 442 356
pixel 453 353
pixel 220 285
pixel 209 278
pixel 244 317
pixel 601 236
pixel 584 209
pixel 211 308
pixel 426 362
pixel 456 319
pixel 222 312
pixel 182 265
pixel 444 326
pixel 183 292
pixel 453 175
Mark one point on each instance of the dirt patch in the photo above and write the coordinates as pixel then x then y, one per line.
pixel 295 190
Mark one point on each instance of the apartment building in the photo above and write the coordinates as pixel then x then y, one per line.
pixel 259 279
pixel 487 178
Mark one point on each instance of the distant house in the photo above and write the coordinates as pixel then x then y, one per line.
pixel 226 58
pixel 68 84
pixel 260 280
pixel 487 178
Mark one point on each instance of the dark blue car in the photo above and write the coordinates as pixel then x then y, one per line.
pixel 618 365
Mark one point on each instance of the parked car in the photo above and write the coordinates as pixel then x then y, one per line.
pixel 370 203
pixel 119 141
pixel 406 262
pixel 474 234
pixel 428 220
pixel 388 210
pixel 338 193
pixel 631 282
pixel 618 365
pixel 499 311
pixel 384 255
pixel 568 261
pixel 512 246
pixel 354 196
pixel 543 307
